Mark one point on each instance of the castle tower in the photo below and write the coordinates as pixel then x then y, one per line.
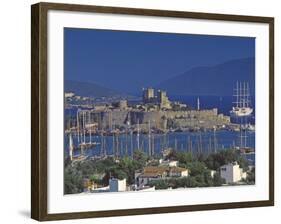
pixel 148 95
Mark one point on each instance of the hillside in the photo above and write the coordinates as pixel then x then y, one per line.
pixel 216 80
pixel 88 89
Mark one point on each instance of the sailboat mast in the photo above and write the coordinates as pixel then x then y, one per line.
pixel 105 146
pixel 152 146
pixel 83 125
pixel 240 94
pixel 132 146
pixel 102 142
pixel 77 126
pixel 138 134
pixel 189 144
pixel 248 95
pixel 70 147
pixel 215 140
pixel 244 96
pixel 210 145
pixel 241 136
pixel 90 131
pixel 149 139
pixel 113 141
pixel 237 94
pixel 126 141
pixel 200 139
pixel 117 145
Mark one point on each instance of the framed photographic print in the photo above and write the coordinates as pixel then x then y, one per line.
pixel 140 111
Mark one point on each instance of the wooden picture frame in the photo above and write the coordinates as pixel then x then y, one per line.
pixel 39 109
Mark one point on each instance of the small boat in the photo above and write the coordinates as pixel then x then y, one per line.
pixel 241 111
pixel 87 145
pixel 246 151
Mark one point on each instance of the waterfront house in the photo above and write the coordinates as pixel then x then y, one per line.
pixel 178 172
pixel 151 173
pixel 232 173
pixel 116 185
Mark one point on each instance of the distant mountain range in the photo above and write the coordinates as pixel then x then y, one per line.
pixel 88 89
pixel 216 80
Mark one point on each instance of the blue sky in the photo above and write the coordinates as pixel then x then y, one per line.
pixel 124 60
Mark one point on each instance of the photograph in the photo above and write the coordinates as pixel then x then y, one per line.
pixel 155 111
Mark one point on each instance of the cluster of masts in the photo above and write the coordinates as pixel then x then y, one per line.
pixel 118 144
pixel 242 110
pixel 242 100
pixel 81 129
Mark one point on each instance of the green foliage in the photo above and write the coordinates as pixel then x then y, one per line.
pixel 196 168
pixel 184 158
pixel 96 179
pixel 140 159
pixel 201 157
pixel 201 180
pixel 217 180
pixel 126 167
pixel 208 180
pixel 251 177
pixel 159 184
pixel 243 163
pixel 118 173
pixel 216 160
pixel 200 166
pixel 73 180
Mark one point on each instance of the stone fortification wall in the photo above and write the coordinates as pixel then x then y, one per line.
pixel 159 119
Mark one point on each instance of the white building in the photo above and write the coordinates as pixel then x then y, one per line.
pixel 69 94
pixel 169 163
pixel 150 174
pixel 178 172
pixel 157 173
pixel 232 173
pixel 116 185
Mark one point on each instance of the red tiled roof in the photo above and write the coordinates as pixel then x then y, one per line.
pixel 177 169
pixel 151 171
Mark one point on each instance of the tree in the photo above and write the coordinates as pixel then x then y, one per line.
pixel 140 159
pixel 208 178
pixel 218 181
pixel 172 155
pixel 216 160
pixel 96 179
pixel 184 158
pixel 196 168
pixel 243 163
pixel 251 176
pixel 73 180
pixel 128 166
pixel 159 184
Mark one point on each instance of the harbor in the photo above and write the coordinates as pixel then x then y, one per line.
pixel 125 144
pixel 156 124
pixel 156 143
